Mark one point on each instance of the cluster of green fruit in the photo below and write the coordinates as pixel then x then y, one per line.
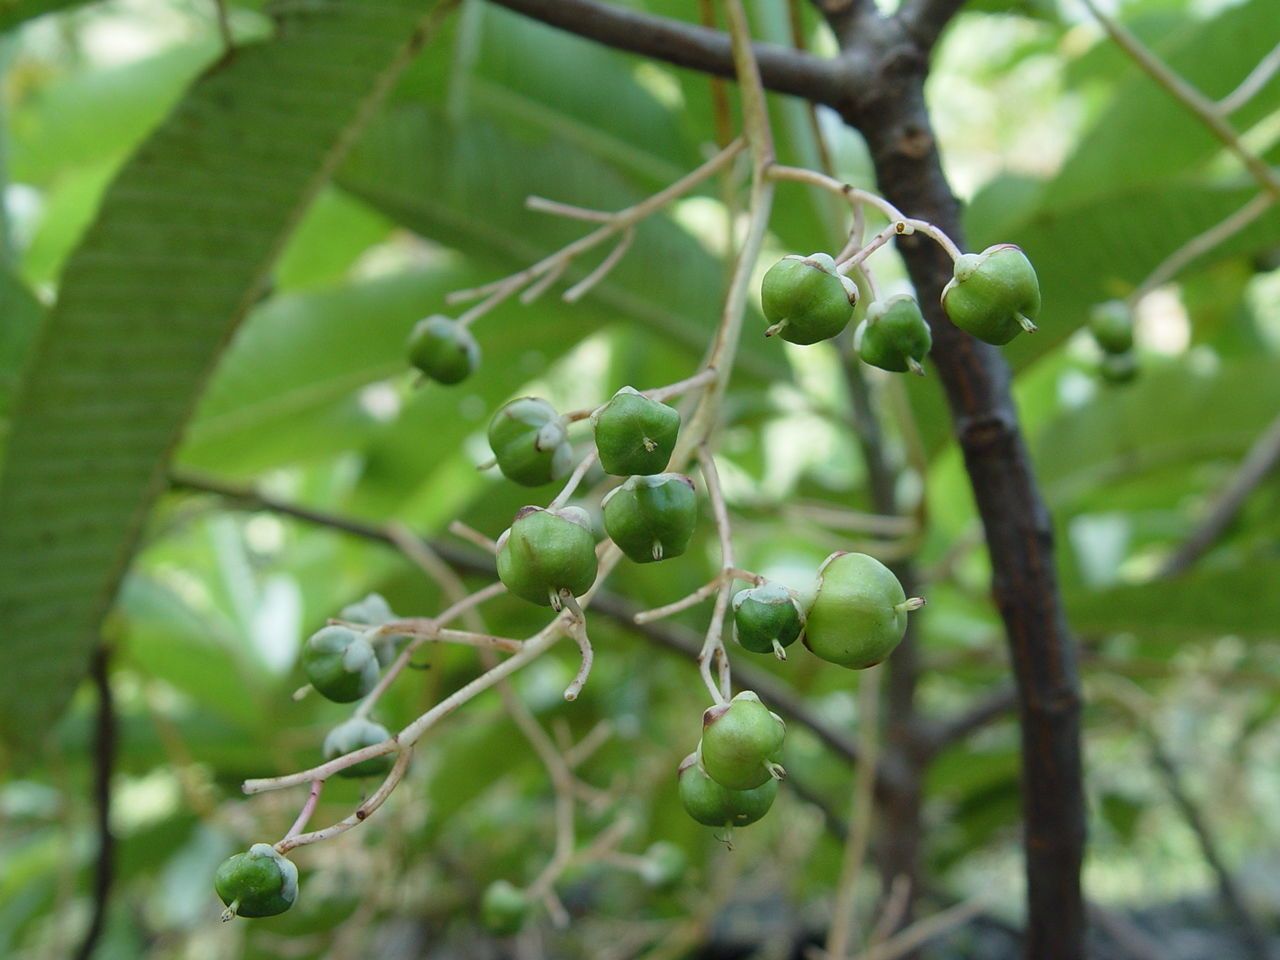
pixel 1111 324
pixel 548 555
pixel 342 665
pixel 993 295
pixel 732 778
pixel 854 617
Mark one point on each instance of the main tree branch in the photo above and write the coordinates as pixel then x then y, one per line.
pixel 891 114
pixel 782 69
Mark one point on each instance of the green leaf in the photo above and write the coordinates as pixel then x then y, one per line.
pixel 1200 604
pixel 1147 136
pixel 1173 414
pixel 21 312
pixel 181 248
pixel 14 12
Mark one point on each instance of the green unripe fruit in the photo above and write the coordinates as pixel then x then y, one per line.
pixel 665 865
pixel 443 349
pixel 374 611
pixel 740 741
pixel 805 300
pixel 259 883
pixel 994 295
pixel 340 663
pixel 546 552
pixel 635 435
pixel 1111 324
pixel 652 518
pixel 504 907
pixel 766 619
pixel 715 805
pixel 353 735
pixel 530 442
pixel 1118 367
pixel 859 613
pixel 894 336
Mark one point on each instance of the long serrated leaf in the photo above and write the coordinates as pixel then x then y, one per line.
pixel 181 248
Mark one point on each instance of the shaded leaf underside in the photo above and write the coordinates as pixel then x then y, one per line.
pixel 180 250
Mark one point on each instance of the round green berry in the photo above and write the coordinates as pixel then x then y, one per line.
pixel 715 805
pixel 894 336
pixel 355 734
pixel 1118 367
pixel 766 619
pixel 546 553
pixel 806 300
pixel 652 518
pixel 340 663
pixel 994 295
pixel 665 865
pixel 635 435
pixel 859 613
pixel 740 741
pixel 530 442
pixel 257 883
pixel 1111 324
pixel 443 349
pixel 374 611
pixel 504 907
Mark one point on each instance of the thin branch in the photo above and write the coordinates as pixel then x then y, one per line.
pixel 921 932
pixel 308 808
pixel 1205 110
pixel 104 760
pixel 496 291
pixel 1263 71
pixel 782 69
pixel 893 119
pixel 861 809
pixel 1229 892
pixel 977 715
pixel 1254 468
pixel 778 695
pixel 926 19
pixel 1202 243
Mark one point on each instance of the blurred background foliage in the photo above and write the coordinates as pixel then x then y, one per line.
pixel 1056 142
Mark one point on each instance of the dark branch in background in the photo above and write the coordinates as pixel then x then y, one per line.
pixel 1229 893
pixel 104 743
pixel 1254 468
pixel 926 19
pixel 901 831
pixel 683 44
pixel 467 560
pixel 992 707
pixel 890 113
